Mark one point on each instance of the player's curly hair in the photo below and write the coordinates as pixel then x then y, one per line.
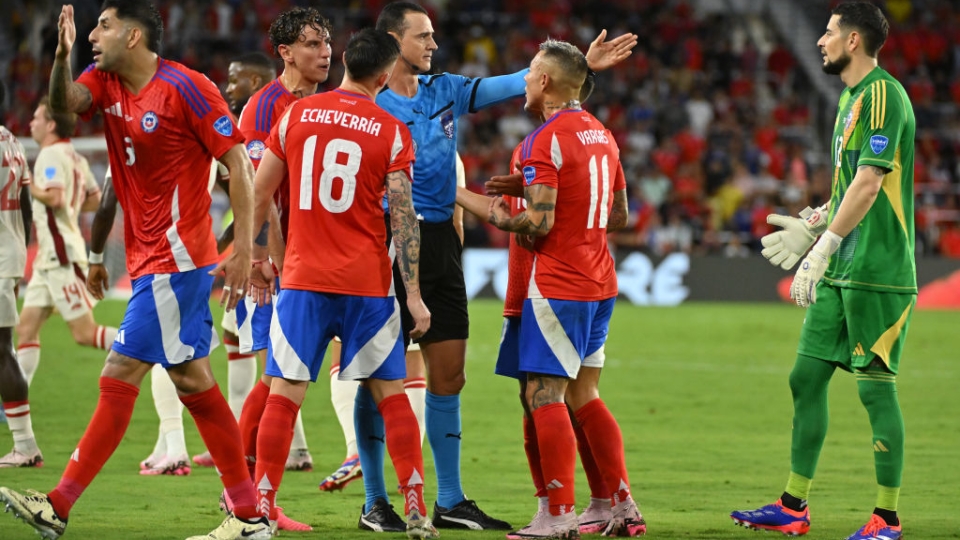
pixel 289 25
pixel 866 18
pixel 144 13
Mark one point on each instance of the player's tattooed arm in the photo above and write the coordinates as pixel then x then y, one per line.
pixel 406 229
pixel 619 212
pixel 536 220
pixel 66 95
pixel 879 171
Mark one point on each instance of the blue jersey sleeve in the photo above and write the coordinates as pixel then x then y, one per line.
pixel 492 90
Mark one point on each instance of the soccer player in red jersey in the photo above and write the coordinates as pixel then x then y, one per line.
pixel 301 38
pixel 574 190
pixel 340 154
pixel 164 123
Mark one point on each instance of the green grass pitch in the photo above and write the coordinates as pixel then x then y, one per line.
pixel 700 392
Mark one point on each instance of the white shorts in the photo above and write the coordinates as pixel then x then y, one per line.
pixel 229 321
pixel 8 303
pixel 63 288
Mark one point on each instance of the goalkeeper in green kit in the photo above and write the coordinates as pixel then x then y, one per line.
pixel 859 279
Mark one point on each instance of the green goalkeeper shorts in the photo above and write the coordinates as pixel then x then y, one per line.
pixel 850 327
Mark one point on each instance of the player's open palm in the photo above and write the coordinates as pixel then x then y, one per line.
pixel 421 316
pixel 605 54
pixel 67 32
pixel 98 280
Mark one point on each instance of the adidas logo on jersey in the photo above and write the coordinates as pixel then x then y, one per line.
pixel 116 110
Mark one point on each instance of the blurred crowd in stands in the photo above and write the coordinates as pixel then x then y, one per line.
pixel 717 122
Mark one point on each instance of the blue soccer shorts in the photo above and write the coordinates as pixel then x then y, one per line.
pixel 253 323
pixel 557 337
pixel 168 319
pixel 508 359
pixel 304 322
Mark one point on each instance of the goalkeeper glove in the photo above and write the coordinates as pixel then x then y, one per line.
pixel 784 248
pixel 804 287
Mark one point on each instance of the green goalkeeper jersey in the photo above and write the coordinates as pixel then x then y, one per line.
pixel 875 127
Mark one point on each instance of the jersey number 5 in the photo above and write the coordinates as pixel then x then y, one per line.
pixel 332 169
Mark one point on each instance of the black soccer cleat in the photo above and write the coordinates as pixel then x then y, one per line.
pixel 466 515
pixel 381 518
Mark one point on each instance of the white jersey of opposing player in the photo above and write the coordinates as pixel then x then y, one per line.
pixel 59 240
pixel 14 174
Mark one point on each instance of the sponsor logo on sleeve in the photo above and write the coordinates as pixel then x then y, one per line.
pixel 529 174
pixel 255 149
pixel 149 122
pixel 878 143
pixel 223 126
pixel 50 172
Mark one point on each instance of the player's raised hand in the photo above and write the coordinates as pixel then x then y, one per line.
pixel 67 32
pixel 506 184
pixel 98 280
pixel 236 269
pixel 606 54
pixel 420 314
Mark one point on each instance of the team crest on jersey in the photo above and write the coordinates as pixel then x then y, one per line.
pixel 149 122
pixel 446 120
pixel 255 149
pixel 223 126
pixel 878 143
pixel 529 174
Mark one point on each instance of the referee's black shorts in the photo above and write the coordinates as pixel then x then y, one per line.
pixel 441 283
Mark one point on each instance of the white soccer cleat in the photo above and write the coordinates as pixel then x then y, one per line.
pixel 420 526
pixel 595 517
pixel 170 466
pixel 35 509
pixel 299 460
pixel 536 522
pixel 234 528
pixel 626 520
pixel 16 459
pixel 545 525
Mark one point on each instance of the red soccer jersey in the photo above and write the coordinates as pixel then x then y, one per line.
pixel 259 115
pixel 161 143
pixel 573 153
pixel 520 259
pixel 339 148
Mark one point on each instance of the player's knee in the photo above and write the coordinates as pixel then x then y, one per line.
pixel 84 336
pixel 449 386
